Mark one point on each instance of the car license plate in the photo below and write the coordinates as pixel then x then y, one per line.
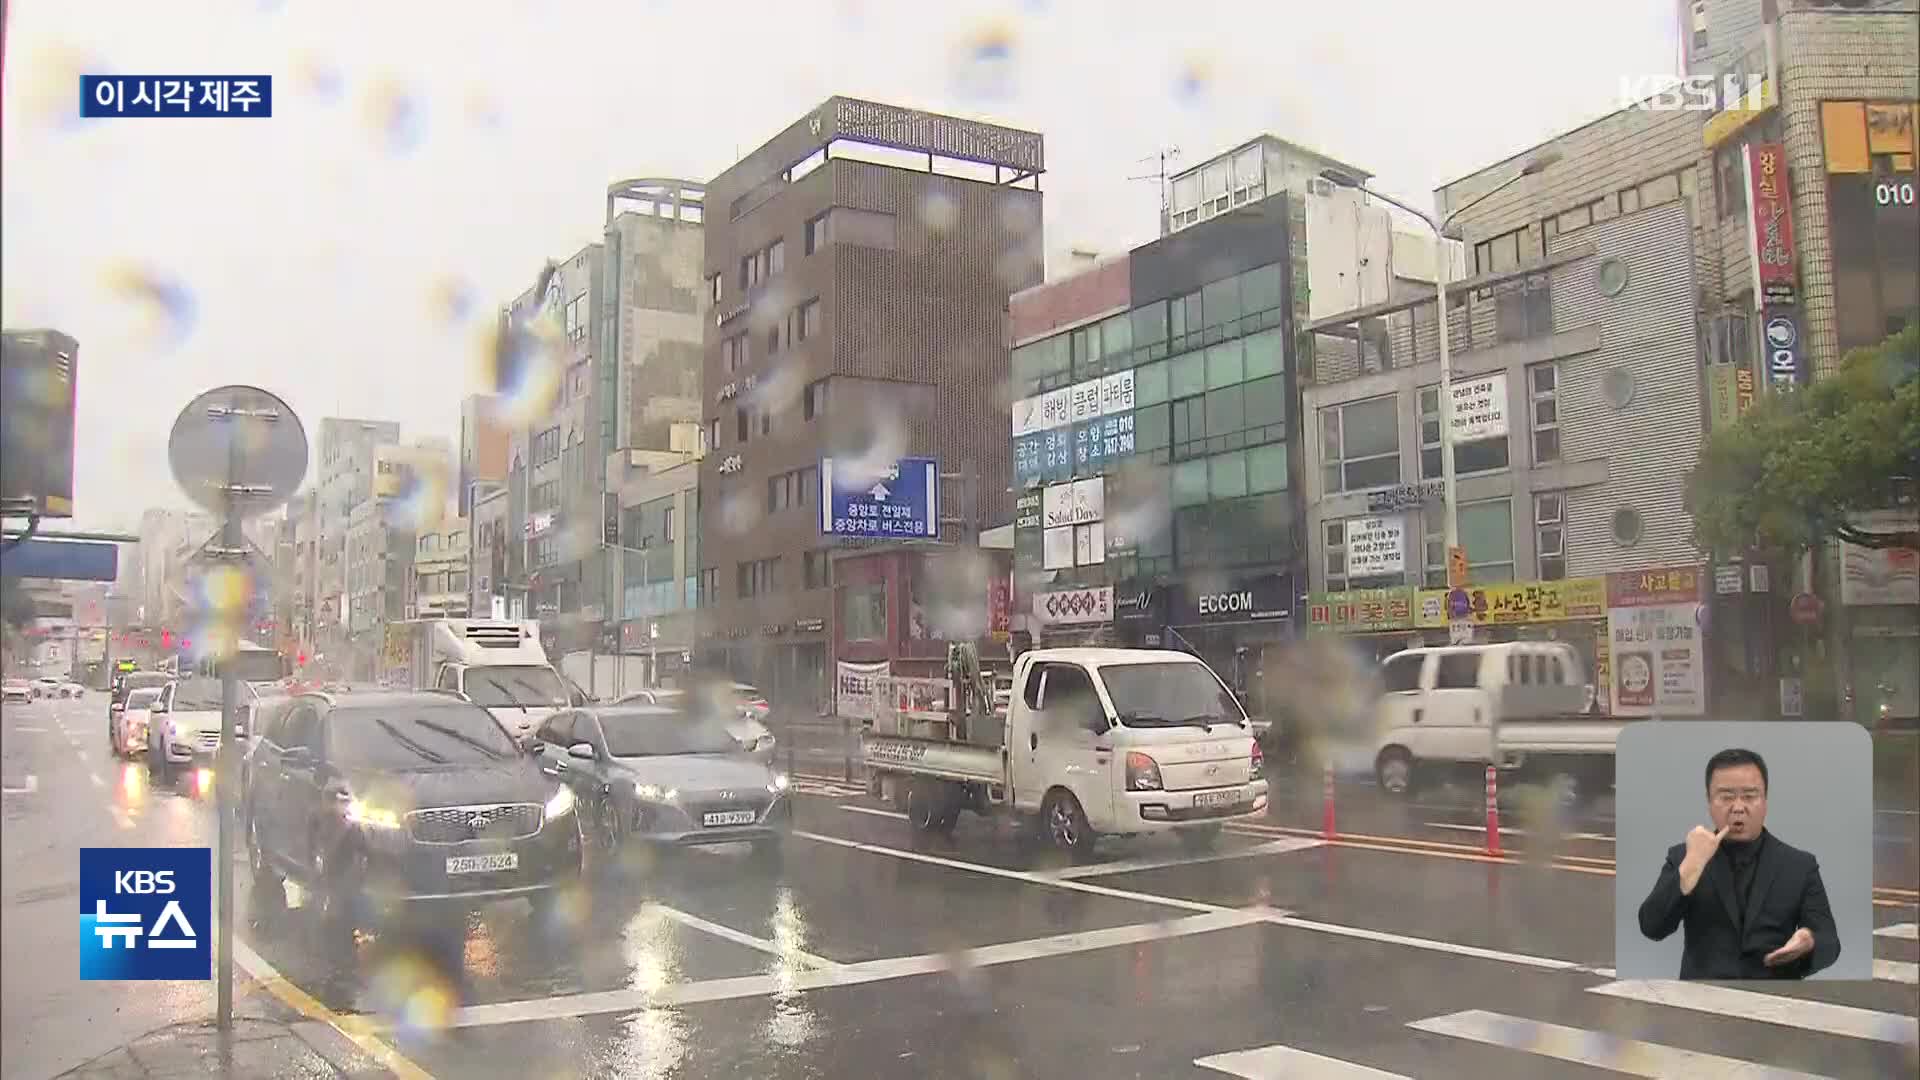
pixel 483 864
pixel 1207 799
pixel 728 817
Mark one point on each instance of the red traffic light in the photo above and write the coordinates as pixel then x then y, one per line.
pixel 166 639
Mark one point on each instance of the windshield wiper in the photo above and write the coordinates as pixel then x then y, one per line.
pixel 461 736
pixel 409 743
pixel 1143 719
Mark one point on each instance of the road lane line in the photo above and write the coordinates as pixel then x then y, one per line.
pixel 874 810
pixel 1286 1063
pixel 1905 931
pixel 1385 937
pixel 1900 971
pixel 1127 866
pixel 870 971
pixel 728 933
pixel 1598 1049
pixel 1029 876
pixel 359 1030
pixel 31 730
pixel 1775 1009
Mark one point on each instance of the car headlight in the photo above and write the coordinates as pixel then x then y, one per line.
pixel 362 813
pixel 778 784
pixel 561 803
pixel 655 793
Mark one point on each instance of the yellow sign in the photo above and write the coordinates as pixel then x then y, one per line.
pixel 1724 124
pixel 1456 567
pixel 1520 602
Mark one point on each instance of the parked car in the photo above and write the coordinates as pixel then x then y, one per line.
pixel 747 724
pixel 657 774
pixel 16 690
pixel 378 803
pixel 130 722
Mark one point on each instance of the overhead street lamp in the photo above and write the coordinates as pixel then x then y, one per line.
pixel 1538 164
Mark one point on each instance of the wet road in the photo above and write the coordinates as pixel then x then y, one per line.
pixel 1400 947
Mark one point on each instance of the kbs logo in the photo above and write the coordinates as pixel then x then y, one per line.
pixel 1696 93
pixel 146 913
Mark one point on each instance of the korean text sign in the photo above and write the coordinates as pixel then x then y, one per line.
pixel 104 96
pixel 146 913
pixel 901 501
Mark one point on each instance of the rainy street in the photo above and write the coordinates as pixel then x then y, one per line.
pixel 1400 947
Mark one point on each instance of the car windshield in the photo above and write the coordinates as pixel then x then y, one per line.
pixel 532 686
pixel 417 736
pixel 1172 693
pixel 657 734
pixel 142 680
pixel 142 699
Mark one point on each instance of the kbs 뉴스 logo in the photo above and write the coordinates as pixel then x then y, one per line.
pixel 146 913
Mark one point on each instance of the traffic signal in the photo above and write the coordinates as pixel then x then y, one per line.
pixel 166 639
pixel 610 510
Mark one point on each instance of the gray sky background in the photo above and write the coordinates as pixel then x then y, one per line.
pixel 426 151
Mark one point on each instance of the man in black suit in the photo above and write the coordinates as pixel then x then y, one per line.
pixel 1752 904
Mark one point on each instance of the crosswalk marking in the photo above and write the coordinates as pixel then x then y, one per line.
pixel 1286 1063
pixel 1769 1009
pixel 1904 931
pixel 1127 866
pixel 1596 1048
pixel 1900 971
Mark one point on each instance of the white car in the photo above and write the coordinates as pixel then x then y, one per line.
pixel 183 726
pixel 130 723
pixel 19 690
pixel 748 727
pixel 49 687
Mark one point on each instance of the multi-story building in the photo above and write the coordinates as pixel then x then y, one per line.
pixel 440 567
pixel 659 528
pixel 626 312
pixel 343 482
pixel 859 265
pixel 487 550
pixel 483 446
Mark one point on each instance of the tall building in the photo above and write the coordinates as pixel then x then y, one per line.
pixel 483 446
pixel 859 265
pixel 438 589
pixel 628 310
pixel 344 482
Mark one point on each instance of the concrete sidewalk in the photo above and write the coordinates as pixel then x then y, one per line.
pixel 259 1048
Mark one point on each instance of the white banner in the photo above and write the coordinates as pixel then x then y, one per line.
pixel 1085 398
pixel 1657 660
pixel 1376 545
pixel 1026 416
pixel 1116 393
pixel 1073 606
pixel 1077 502
pixel 1042 411
pixel 1480 407
pixel 1089 545
pixel 1879 575
pixel 1056 505
pixel 861 690
pixel 1056 548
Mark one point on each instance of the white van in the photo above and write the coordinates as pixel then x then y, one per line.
pixel 1512 704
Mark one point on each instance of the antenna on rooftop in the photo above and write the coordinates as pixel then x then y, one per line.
pixel 1159 176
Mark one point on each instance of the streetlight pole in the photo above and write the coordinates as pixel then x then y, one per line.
pixel 1450 496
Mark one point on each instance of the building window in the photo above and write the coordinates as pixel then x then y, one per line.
pixel 1543 384
pixel 1699 25
pixel 711 435
pixel 1360 445
pixel 666 524
pixel 577 318
pixel 1523 309
pixel 813 568
pixel 805 322
pixel 759 577
pixel 1729 181
pixel 818 232
pixel 866 612
pixel 742 427
pixel 776 257
pixel 1486 531
pixel 1502 252
pixel 1549 536
pixel 814 402
pixel 792 488
pixel 709 587
pixel 1478 455
pixel 713 287
pixel 546 446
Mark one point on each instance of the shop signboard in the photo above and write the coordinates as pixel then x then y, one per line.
pixel 1376 545
pixel 1669 585
pixel 1879 576
pixel 1237 599
pixel 1657 659
pixel 861 690
pixel 1362 611
pixel 1070 607
pixel 1519 602
pixel 1770 226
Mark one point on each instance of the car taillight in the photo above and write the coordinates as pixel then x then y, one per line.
pixel 1259 762
pixel 1143 773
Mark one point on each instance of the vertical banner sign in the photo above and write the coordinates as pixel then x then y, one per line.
pixel 1770 226
pixel 1655 631
pixel 1785 368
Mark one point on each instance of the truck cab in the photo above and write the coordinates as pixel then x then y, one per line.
pixel 497 664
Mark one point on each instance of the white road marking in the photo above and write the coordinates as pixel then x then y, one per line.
pixel 1769 1009
pixel 27 787
pixel 1900 971
pixel 31 730
pixel 874 810
pixel 1904 931
pixel 1286 1063
pixel 1029 876
pixel 1127 866
pixel 1598 1049
pixel 1505 831
pixel 613 1001
pixel 728 933
pixel 1546 963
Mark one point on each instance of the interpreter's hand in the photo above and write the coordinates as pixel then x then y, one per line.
pixel 1702 843
pixel 1797 946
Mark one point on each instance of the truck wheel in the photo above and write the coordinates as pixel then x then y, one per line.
pixel 1066 823
pixel 1394 771
pixel 931 806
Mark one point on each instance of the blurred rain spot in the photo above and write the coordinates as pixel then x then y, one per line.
pixel 319 78
pixel 483 109
pixel 521 367
pixel 166 307
pixel 450 298
pixel 985 61
pixel 52 86
pixel 1193 79
pixel 397 115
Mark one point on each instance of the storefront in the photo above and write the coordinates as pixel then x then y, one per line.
pixel 1140 614
pixel 1236 622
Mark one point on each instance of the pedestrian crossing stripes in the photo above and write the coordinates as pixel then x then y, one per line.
pixel 1905 931
pixel 1600 1049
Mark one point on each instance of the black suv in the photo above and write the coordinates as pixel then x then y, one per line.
pixel 379 802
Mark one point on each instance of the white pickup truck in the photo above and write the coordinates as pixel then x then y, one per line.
pixel 1521 705
pixel 1095 742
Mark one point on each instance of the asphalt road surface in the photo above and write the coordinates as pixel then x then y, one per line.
pixel 1400 948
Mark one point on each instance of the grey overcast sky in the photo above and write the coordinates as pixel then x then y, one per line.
pixel 423 152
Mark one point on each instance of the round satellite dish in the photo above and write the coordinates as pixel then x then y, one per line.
pixel 238 448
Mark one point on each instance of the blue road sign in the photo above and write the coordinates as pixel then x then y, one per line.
pixel 899 502
pixel 62 560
